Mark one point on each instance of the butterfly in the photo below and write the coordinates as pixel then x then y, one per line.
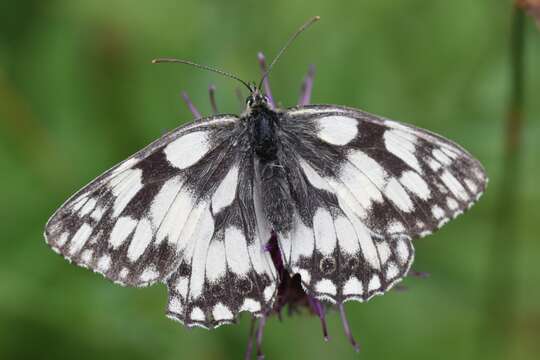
pixel 344 192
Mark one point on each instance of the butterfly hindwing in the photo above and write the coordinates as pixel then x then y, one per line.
pixel 364 187
pixel 231 271
pixel 337 256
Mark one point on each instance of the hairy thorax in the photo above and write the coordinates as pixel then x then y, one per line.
pixel 275 192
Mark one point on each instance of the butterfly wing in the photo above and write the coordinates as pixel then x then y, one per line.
pixel 364 187
pixel 174 212
pixel 232 272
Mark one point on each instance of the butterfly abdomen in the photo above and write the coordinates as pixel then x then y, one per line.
pixel 276 195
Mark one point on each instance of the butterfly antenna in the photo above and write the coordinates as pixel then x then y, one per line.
pixel 204 67
pixel 287 44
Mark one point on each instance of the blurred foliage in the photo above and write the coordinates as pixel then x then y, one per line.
pixel 78 94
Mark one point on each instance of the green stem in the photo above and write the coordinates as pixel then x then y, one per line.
pixel 501 280
pixel 515 114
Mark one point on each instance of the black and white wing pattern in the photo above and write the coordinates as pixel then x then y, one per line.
pixel 180 211
pixel 363 188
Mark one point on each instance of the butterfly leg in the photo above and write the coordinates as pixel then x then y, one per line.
pixel 196 114
pixel 266 82
pixel 212 94
pixel 307 87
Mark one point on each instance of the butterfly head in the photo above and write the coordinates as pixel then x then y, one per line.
pixel 256 99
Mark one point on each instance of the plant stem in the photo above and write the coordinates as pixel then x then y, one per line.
pixel 501 281
pixel 514 121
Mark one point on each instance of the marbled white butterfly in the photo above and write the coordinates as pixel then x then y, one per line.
pixel 343 191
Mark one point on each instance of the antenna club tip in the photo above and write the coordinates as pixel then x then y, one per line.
pixel 154 61
pixel 260 55
pixel 316 18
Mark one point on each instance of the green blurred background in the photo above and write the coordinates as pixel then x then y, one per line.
pixel 78 94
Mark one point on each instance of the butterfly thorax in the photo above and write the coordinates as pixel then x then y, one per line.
pixel 264 123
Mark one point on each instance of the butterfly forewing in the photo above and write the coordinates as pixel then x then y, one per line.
pixel 110 223
pixel 364 187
